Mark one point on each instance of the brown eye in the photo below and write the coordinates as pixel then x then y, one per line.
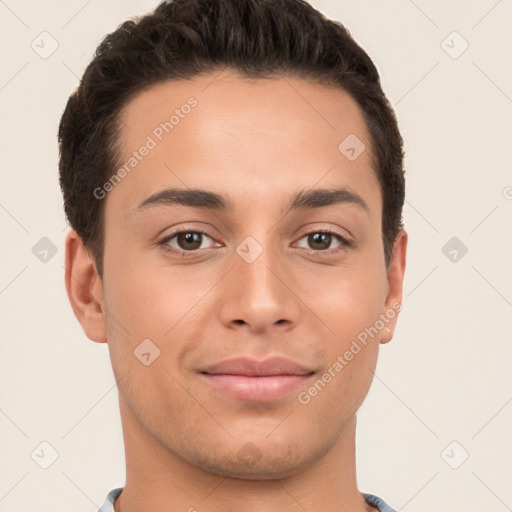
pixel 319 241
pixel 323 240
pixel 189 240
pixel 183 242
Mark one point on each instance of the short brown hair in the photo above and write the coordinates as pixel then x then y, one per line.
pixel 185 38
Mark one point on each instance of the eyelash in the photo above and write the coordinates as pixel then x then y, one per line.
pixel 346 243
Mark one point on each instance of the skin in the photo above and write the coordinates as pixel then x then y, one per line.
pixel 258 142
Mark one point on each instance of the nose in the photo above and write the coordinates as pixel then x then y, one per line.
pixel 261 294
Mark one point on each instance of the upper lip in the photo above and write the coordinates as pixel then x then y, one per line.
pixel 276 365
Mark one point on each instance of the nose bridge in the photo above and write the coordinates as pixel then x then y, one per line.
pixel 258 263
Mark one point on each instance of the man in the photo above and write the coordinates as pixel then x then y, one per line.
pixel 256 132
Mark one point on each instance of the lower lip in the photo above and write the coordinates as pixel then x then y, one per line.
pixel 261 389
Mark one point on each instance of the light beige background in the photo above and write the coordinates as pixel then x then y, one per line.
pixel 446 375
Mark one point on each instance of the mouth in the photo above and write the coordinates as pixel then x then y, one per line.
pixel 262 381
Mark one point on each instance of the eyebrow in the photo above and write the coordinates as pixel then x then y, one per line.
pixel 199 198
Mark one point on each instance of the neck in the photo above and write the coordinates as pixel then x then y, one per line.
pixel 157 477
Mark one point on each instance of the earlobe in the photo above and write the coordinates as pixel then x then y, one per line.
pixel 396 274
pixel 84 288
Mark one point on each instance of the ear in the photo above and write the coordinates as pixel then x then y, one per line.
pixel 396 273
pixel 84 287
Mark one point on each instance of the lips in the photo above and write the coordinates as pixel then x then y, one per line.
pixel 276 365
pixel 249 379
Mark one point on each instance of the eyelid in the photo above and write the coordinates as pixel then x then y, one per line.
pixel 342 233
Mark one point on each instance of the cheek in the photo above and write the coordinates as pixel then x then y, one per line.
pixel 348 303
pixel 148 300
pixel 347 300
pixel 158 303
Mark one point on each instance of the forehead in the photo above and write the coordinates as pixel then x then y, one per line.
pixel 253 137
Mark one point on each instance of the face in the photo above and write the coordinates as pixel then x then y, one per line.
pixel 287 261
